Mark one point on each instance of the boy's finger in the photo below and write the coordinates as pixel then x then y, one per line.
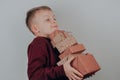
pixel 70 79
pixel 70 59
pixel 78 73
pixel 75 77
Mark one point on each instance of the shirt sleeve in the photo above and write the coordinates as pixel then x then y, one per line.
pixel 37 60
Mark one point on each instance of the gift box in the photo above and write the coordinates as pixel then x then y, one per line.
pixel 63 45
pixel 62 40
pixel 57 36
pixel 78 48
pixel 86 64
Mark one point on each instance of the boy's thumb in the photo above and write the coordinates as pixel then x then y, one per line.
pixel 70 59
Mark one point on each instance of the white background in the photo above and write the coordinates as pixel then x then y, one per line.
pixel 95 23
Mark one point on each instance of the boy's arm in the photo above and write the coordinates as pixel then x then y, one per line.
pixel 37 60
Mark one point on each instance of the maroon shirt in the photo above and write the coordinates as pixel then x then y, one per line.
pixel 42 59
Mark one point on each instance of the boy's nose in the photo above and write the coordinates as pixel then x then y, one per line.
pixel 53 21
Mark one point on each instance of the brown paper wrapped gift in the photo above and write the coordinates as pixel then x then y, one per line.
pixel 78 48
pixel 57 36
pixel 62 40
pixel 86 64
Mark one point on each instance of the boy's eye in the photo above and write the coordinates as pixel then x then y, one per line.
pixel 47 19
pixel 50 19
pixel 55 19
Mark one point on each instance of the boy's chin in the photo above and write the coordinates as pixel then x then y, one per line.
pixel 56 29
pixel 53 31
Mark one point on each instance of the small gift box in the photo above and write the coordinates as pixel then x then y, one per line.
pixel 86 64
pixel 62 40
pixel 78 48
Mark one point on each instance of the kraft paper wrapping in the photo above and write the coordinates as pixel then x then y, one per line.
pixel 78 48
pixel 62 40
pixel 86 64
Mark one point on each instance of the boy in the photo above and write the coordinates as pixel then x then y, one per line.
pixel 42 57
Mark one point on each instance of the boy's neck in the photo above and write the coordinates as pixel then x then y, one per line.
pixel 41 35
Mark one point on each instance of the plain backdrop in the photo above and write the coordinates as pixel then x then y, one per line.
pixel 95 23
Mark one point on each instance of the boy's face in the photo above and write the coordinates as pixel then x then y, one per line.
pixel 45 22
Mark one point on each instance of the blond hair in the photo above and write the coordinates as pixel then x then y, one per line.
pixel 31 13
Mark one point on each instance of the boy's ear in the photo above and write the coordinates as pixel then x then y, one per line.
pixel 34 29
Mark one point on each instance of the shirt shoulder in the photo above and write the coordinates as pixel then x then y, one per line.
pixel 38 45
pixel 40 40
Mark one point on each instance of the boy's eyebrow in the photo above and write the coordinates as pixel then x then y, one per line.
pixel 48 16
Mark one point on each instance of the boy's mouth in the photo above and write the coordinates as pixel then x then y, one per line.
pixel 55 26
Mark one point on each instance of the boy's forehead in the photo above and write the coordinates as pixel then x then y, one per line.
pixel 44 13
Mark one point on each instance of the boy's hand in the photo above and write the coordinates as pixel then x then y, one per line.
pixel 70 72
